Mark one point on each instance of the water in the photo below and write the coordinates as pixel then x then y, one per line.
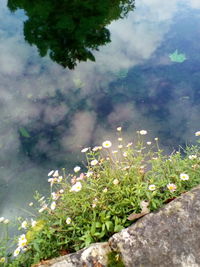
pixel 48 113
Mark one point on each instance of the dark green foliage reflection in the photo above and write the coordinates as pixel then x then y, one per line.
pixel 70 29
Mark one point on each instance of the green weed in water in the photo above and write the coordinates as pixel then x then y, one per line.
pixel 177 57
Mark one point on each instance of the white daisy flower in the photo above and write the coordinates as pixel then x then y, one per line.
pixel 16 252
pixel 24 225
pixel 116 181
pixel 94 162
pixel 76 187
pixel 89 173
pixel 22 237
pixel 41 199
pixel 85 149
pixel 152 187
pixel 171 187
pixel 56 174
pixel 50 173
pixel 59 179
pixel 44 207
pixel 129 144
pixel 192 156
pixel 96 148
pixel 22 241
pixel 94 204
pixel 77 169
pixel 54 195
pixel 106 144
pixel 68 220
pixel 143 132
pixel 2 260
pixel 197 133
pixel 33 223
pixel 2 219
pixel 184 176
pixel 53 205
pixel 52 181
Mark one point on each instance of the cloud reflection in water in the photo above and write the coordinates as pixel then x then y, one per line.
pixel 44 98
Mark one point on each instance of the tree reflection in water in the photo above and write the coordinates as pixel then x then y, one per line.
pixel 69 30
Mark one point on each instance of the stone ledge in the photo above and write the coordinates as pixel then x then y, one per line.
pixel 93 256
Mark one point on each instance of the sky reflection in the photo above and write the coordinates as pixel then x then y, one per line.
pixel 133 83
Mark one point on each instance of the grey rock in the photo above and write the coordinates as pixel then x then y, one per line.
pixel 93 256
pixel 169 237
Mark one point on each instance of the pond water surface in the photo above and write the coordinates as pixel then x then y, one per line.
pixel 147 77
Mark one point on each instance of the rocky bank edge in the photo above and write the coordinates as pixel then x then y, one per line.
pixel 169 237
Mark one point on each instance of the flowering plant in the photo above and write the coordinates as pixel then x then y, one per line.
pixel 115 185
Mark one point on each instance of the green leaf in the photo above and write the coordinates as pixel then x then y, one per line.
pixel 88 240
pixel 98 225
pixel 117 220
pixel 154 205
pixel 109 225
pixel 104 216
pixel 24 132
pixel 93 228
pixel 36 246
pixel 118 228
pixel 176 57
pixel 100 235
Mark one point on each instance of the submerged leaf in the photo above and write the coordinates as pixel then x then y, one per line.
pixel 24 132
pixel 176 57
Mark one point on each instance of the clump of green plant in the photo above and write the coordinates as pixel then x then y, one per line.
pixel 117 185
pixel 114 259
